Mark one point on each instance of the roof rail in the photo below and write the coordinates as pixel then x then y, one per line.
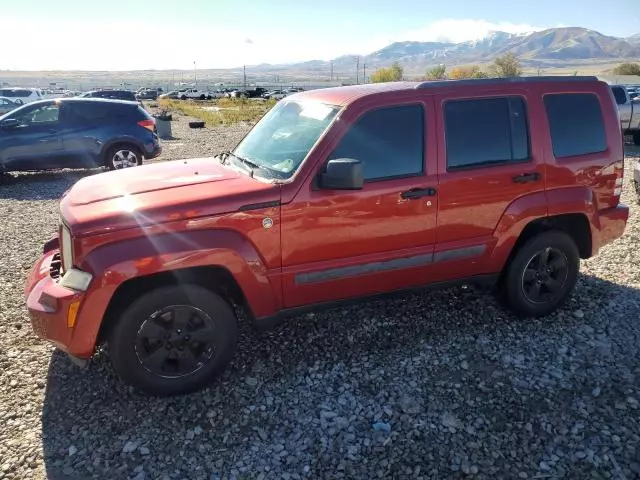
pixel 498 81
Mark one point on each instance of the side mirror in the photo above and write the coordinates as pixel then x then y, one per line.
pixel 9 123
pixel 342 174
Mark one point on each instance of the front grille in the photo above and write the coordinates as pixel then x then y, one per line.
pixel 56 265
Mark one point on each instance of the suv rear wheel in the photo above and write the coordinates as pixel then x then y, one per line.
pixel 173 340
pixel 542 274
pixel 123 156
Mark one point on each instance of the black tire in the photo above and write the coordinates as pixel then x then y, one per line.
pixel 525 272
pixel 183 97
pixel 123 154
pixel 636 138
pixel 196 124
pixel 128 351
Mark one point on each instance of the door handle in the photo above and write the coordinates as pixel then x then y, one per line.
pixel 527 177
pixel 52 131
pixel 418 193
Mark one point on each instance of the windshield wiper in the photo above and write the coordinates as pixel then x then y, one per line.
pixel 248 163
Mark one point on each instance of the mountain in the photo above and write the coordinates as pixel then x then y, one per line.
pixel 556 46
pixel 572 44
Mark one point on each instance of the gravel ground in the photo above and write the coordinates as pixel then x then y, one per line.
pixel 438 385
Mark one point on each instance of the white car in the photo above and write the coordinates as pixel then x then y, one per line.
pixel 26 95
pixel 8 105
pixel 194 94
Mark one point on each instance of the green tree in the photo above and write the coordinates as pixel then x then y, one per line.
pixel 391 74
pixel 627 69
pixel 437 73
pixel 506 65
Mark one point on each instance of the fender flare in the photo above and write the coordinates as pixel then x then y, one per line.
pixel 524 210
pixel 113 264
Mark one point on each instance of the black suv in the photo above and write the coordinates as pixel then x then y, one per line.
pixel 77 133
pixel 113 94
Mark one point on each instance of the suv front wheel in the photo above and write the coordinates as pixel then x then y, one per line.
pixel 542 274
pixel 173 340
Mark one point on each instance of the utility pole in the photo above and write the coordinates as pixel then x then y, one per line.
pixel 357 70
pixel 195 75
pixel 364 73
pixel 332 70
pixel 244 75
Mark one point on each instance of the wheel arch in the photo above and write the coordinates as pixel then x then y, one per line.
pixel 215 278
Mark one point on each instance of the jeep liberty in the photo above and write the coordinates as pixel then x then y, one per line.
pixel 335 194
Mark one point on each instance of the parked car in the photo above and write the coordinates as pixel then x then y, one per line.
pixel 276 94
pixel 77 133
pixel 112 94
pixel 25 95
pixel 511 181
pixel 172 94
pixel 194 94
pixel 629 110
pixel 8 104
pixel 147 95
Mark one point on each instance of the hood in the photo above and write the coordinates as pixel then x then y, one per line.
pixel 158 193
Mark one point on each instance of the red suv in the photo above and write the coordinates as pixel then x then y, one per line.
pixel 335 194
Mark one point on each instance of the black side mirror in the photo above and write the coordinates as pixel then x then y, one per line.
pixel 342 174
pixel 9 123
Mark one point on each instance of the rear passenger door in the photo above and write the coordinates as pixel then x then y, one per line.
pixel 84 132
pixel 487 160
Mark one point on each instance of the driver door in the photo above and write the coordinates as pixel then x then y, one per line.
pixel 338 244
pixel 36 143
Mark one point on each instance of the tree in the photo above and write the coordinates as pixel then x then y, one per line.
pixel 472 71
pixel 627 69
pixel 437 73
pixel 507 65
pixel 391 74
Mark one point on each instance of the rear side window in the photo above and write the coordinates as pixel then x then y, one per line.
pixel 576 124
pixel 389 141
pixel 619 94
pixel 486 131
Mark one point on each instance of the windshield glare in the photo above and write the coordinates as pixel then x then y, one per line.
pixel 281 140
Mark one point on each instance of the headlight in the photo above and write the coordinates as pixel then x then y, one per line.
pixel 67 249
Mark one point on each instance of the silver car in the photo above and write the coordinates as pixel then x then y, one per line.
pixel 7 105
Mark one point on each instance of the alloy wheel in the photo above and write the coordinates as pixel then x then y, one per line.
pixel 545 275
pixel 124 159
pixel 176 341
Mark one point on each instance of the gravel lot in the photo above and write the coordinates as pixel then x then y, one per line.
pixel 438 385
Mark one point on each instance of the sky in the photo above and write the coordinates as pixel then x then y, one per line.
pixel 161 34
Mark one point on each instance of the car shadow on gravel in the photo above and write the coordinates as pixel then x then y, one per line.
pixel 46 185
pixel 93 424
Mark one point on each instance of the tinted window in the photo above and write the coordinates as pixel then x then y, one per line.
pixel 486 131
pixel 97 112
pixel 576 124
pixel 619 93
pixel 36 116
pixel 389 142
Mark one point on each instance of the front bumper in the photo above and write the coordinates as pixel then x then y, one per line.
pixel 48 303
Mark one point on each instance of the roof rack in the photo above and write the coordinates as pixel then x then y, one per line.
pixel 498 81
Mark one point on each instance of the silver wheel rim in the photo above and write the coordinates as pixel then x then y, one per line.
pixel 124 159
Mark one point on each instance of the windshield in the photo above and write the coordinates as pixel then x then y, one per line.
pixel 281 140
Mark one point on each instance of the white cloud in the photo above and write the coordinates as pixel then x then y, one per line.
pixel 462 30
